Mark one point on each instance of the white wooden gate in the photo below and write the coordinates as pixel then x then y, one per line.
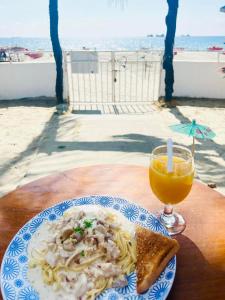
pixel 113 77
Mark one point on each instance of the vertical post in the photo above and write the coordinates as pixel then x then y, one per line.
pixel 113 75
pixel 65 77
pixel 160 77
pixel 171 20
pixel 70 80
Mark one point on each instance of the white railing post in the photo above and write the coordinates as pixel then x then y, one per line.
pixel 160 78
pixel 113 75
pixel 65 78
pixel 70 79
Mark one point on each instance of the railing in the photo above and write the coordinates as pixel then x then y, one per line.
pixel 113 77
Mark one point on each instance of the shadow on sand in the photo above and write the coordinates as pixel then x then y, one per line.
pixel 200 102
pixel 29 102
pixel 205 162
pixel 48 142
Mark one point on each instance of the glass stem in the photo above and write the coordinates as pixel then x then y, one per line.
pixel 167 217
pixel 168 210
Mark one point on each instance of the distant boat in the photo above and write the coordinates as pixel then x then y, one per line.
pixel 150 35
pixel 215 48
pixel 179 49
pixel 160 35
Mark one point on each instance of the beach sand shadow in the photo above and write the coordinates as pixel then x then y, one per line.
pixel 29 102
pixel 200 102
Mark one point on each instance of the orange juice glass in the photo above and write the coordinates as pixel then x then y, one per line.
pixel 171 187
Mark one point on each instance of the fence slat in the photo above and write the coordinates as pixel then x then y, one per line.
pixel 123 77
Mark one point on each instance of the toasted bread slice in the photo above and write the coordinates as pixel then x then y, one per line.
pixel 154 251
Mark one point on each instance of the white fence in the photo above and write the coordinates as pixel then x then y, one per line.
pixel 33 79
pixel 113 77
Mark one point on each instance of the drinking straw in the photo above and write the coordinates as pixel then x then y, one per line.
pixel 170 155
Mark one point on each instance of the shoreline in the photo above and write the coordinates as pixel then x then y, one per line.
pixel 42 56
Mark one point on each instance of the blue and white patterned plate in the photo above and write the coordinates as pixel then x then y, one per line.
pixel 14 283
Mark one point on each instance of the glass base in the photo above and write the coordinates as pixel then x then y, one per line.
pixel 174 222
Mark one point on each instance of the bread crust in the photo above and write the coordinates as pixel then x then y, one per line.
pixel 154 251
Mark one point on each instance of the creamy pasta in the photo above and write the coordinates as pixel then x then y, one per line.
pixel 79 255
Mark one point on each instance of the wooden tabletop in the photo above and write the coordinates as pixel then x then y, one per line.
pixel 201 260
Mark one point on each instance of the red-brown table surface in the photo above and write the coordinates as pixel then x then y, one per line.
pixel 201 260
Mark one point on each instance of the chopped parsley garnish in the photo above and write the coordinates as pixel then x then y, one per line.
pixel 79 230
pixel 82 253
pixel 88 223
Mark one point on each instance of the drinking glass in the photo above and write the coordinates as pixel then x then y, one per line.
pixel 171 187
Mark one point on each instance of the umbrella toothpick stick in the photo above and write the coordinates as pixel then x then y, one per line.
pixel 193 147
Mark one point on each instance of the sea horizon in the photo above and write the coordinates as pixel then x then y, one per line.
pixel 115 43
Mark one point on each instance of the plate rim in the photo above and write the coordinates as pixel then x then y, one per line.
pixel 75 199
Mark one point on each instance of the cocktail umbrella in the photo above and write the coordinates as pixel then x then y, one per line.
pixel 222 9
pixel 195 130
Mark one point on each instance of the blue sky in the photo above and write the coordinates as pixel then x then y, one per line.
pixel 97 18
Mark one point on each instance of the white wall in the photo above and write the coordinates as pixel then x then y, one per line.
pixel 22 80
pixel 192 79
pixel 198 80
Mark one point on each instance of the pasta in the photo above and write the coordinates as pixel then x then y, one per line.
pixel 87 253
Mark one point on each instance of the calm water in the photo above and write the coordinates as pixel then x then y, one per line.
pixel 135 43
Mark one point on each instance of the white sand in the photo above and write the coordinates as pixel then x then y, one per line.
pixel 35 142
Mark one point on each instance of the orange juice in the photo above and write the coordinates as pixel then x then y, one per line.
pixel 171 188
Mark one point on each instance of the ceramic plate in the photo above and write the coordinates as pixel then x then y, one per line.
pixel 14 282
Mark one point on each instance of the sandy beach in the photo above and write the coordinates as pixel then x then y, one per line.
pixel 36 142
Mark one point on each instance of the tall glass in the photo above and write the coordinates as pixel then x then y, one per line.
pixel 171 187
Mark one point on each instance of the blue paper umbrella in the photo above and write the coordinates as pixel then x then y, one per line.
pixel 195 130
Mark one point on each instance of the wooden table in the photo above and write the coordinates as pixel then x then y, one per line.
pixel 201 259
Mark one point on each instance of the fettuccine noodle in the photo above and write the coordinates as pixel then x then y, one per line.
pixel 87 254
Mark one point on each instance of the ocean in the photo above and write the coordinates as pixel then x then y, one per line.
pixel 126 43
